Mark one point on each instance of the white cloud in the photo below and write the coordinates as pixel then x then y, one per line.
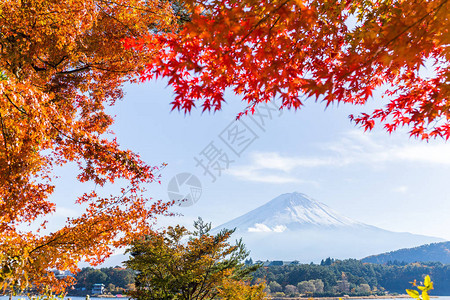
pixel 259 175
pixel 279 228
pixel 259 228
pixel 435 154
pixel 264 228
pixel 360 147
pixel 401 189
pixel 354 147
pixel 273 160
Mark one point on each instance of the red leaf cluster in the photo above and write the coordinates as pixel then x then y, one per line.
pixel 334 51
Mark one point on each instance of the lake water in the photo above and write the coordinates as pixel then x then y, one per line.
pixel 95 298
pixel 74 298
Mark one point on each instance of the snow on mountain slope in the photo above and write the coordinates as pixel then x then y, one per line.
pixel 295 227
pixel 290 211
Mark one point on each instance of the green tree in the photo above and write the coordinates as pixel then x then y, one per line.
pixel 290 290
pixel 306 287
pixel 363 288
pixel 318 286
pixel 275 287
pixel 111 288
pixel 120 277
pixel 88 276
pixel 178 264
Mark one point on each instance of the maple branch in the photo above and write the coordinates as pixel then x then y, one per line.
pixel 22 110
pixel 62 59
pixel 261 21
pixel 92 66
pixel 118 21
pixel 435 10
pixel 202 286
pixel 129 6
pixel 54 242
pixel 85 67
pixel 114 71
pixel 369 61
pixel 70 229
pixel 36 68
pixel 4 136
pixel 75 139
pixel 274 23
pixel 45 244
pixel 64 134
pixel 53 65
pixel 53 125
pixel 5 143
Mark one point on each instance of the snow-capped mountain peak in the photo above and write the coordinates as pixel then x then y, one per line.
pixel 296 227
pixel 289 211
pixel 299 208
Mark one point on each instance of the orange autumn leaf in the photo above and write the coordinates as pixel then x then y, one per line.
pixel 61 64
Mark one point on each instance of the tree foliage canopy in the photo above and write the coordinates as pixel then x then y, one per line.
pixel 335 51
pixel 61 63
pixel 178 264
pixel 120 278
pixel 380 277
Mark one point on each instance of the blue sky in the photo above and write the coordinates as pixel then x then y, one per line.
pixel 390 181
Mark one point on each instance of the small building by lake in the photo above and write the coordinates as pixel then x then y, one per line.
pixel 98 288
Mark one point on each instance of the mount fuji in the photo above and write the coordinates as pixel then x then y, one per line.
pixel 296 227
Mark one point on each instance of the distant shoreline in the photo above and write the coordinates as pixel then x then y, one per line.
pixel 344 297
